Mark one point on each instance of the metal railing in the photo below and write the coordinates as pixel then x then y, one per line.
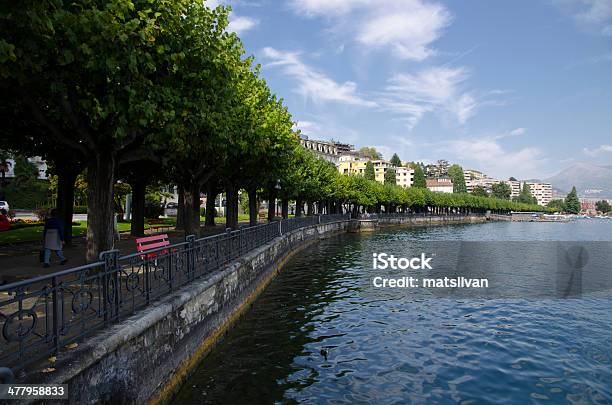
pixel 384 215
pixel 41 316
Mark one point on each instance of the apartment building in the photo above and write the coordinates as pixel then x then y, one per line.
pixel 380 168
pixel 328 150
pixel 352 166
pixel 515 187
pixel 404 176
pixel 471 174
pixel 541 191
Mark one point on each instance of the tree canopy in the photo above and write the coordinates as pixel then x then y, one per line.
pixel 572 203
pixel 395 160
pixel 455 172
pixel 370 152
pixel 501 190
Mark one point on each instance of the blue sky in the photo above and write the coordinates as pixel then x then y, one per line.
pixel 514 88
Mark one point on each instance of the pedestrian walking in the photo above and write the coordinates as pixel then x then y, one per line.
pixel 53 237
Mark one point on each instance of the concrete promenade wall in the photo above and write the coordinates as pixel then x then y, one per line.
pixel 146 358
pixel 433 220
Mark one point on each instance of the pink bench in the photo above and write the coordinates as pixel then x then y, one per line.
pixel 153 242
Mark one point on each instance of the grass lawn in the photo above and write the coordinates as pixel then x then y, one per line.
pixel 34 233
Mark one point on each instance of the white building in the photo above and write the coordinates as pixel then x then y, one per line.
pixel 36 160
pixel 328 150
pixel 404 176
pixel 541 191
pixel 441 185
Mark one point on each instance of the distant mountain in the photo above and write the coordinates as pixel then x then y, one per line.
pixel 590 180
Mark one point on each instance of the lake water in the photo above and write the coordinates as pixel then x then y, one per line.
pixel 322 333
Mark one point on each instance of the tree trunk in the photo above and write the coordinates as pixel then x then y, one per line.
pixel 211 196
pixel 231 209
pixel 253 211
pixel 299 206
pixel 285 208
pixel 100 224
pixel 65 200
pixel 139 185
pixel 310 208
pixel 192 209
pixel 180 211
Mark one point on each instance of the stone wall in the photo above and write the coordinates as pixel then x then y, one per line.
pixel 146 357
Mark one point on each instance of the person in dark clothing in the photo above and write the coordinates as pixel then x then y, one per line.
pixel 53 236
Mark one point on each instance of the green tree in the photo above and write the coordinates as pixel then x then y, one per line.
pixel 390 176
pixel 501 190
pixel 369 172
pixel 419 176
pixel 572 203
pixel 557 205
pixel 603 206
pixel 395 160
pixel 479 191
pixel 525 195
pixel 370 152
pixel 100 80
pixel 455 172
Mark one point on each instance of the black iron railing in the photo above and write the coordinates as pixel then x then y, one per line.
pixel 41 316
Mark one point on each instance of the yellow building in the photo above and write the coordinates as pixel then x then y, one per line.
pixel 352 167
pixel 380 168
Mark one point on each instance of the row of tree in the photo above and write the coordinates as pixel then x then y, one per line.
pixel 137 90
pixel 148 91
pixel 324 190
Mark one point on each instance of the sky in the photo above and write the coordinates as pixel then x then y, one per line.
pixel 518 88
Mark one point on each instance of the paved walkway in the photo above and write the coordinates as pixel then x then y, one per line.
pixel 20 260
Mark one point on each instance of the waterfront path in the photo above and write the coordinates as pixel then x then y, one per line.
pixel 19 261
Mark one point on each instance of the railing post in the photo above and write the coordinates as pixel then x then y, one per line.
pixel 228 236
pixel 191 262
pixel 56 315
pixel 110 275
pixel 319 220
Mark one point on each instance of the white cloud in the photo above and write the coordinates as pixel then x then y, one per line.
pixel 408 27
pixel 598 151
pixel 517 132
pixel 464 108
pixel 317 8
pixel 490 156
pixel 590 14
pixel 435 89
pixel 313 84
pixel 240 25
pixel 308 127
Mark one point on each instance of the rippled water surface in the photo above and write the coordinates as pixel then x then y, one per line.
pixel 320 334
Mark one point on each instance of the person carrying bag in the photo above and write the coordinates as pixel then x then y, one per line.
pixel 53 237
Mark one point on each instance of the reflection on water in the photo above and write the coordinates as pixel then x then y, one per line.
pixel 318 334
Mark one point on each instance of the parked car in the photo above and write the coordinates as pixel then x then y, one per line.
pixel 172 205
pixel 4 206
